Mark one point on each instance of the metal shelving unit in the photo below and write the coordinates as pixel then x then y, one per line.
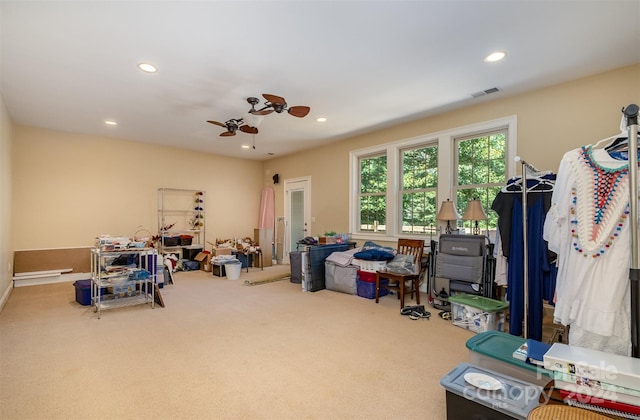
pixel 123 286
pixel 185 210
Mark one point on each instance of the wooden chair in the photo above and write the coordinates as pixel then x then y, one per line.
pixel 399 281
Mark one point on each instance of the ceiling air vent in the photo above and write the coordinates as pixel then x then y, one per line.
pixel 485 92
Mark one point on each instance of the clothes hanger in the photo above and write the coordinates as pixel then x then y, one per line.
pixel 514 184
pixel 539 182
pixel 620 140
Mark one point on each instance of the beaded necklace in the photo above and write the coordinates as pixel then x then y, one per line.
pixel 605 182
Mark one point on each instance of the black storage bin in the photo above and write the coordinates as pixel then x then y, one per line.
pixel 191 252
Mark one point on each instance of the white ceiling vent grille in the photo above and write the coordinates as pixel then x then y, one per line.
pixel 485 92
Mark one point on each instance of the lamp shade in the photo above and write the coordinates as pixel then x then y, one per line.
pixel 448 211
pixel 474 211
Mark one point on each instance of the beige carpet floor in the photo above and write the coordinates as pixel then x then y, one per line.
pixel 223 350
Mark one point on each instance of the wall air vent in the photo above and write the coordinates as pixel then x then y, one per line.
pixel 485 92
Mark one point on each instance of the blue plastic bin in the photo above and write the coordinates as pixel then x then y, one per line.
pixel 83 292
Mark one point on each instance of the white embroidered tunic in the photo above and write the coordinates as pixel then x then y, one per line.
pixel 588 227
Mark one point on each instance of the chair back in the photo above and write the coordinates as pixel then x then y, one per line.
pixel 413 247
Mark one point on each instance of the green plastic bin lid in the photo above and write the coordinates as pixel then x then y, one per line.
pixel 500 346
pixel 480 302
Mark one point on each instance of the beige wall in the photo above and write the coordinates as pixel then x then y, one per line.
pixel 551 121
pixel 69 188
pixel 6 250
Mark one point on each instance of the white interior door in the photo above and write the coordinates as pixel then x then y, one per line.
pixel 297 212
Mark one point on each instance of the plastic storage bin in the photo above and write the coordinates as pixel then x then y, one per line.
pixel 122 290
pixel 83 292
pixel 474 392
pixel 370 266
pixel 367 289
pixel 171 240
pixel 367 276
pixel 218 270
pixel 477 313
pixel 245 259
pixel 494 350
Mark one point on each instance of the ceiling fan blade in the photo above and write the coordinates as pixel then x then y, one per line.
pixel 248 129
pixel 263 111
pixel 217 123
pixel 274 99
pixel 227 134
pixel 299 111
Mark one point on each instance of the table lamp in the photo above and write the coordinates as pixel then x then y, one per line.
pixel 448 212
pixel 475 212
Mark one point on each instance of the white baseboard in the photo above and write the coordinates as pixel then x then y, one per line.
pixel 50 279
pixel 5 296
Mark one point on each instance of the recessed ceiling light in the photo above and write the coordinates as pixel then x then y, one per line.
pixel 109 122
pixel 245 146
pixel 496 56
pixel 321 119
pixel 148 68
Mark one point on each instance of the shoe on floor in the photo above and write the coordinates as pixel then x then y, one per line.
pixel 408 309
pixel 445 315
pixel 417 314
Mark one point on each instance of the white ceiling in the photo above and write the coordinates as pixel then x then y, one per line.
pixel 70 65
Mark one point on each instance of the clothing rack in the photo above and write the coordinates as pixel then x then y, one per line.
pixel 525 258
pixel 631 115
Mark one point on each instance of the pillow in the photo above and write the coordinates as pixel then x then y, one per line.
pixel 374 255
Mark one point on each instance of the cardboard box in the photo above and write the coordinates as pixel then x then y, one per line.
pixel 204 258
pixel 610 368
pixel 327 240
pixel 221 251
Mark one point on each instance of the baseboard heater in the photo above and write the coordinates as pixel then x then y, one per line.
pixel 33 278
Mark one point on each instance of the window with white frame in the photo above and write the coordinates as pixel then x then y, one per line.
pixel 396 187
pixel 481 170
pixel 419 184
pixel 372 194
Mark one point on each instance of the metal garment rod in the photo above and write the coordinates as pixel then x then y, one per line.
pixel 631 114
pixel 525 257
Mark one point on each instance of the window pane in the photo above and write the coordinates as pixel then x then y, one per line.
pixel 419 212
pixel 373 213
pixel 481 172
pixel 420 168
pixel 373 174
pixel 419 184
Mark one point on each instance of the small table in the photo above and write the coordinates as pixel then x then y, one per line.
pixel 257 255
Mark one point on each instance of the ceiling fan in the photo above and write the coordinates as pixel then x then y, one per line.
pixel 233 125
pixel 277 104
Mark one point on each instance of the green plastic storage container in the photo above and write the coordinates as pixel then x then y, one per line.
pixel 477 313
pixel 480 302
pixel 494 350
